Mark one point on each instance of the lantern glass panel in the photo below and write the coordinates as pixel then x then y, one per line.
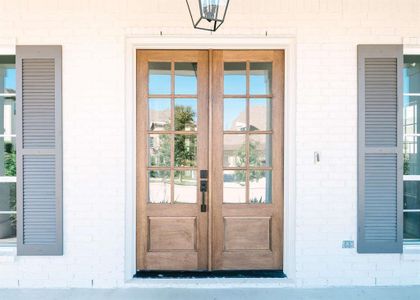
pixel 207 14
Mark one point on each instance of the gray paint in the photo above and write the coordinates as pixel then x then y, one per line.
pixel 204 293
pixel 39 150
pixel 380 157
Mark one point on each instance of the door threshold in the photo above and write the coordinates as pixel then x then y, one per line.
pixel 210 274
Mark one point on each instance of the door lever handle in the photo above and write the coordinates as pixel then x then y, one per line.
pixel 203 190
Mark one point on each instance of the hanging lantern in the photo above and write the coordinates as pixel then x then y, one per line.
pixel 207 14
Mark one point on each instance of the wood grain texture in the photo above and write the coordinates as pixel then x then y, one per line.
pixel 238 243
pixel 247 233
pixel 173 233
pixel 229 236
pixel 170 236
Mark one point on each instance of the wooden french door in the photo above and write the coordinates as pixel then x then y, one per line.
pixel 209 159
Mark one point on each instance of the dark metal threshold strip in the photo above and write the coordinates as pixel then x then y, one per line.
pixel 210 274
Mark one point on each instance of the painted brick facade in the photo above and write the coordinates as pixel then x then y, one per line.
pixel 93 34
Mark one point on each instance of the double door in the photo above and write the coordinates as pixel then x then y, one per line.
pixel 209 159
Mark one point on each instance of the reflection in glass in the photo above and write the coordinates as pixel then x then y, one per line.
pixel 260 150
pixel 234 150
pixel 260 114
pixel 235 78
pixel 185 186
pixel 234 187
pixel 7 228
pixel 411 74
pixel 185 78
pixel 8 156
pixel 159 150
pixel 185 114
pixel 234 114
pixel 159 114
pixel 7 74
pixel 159 78
pixel 412 225
pixel 260 186
pixel 411 157
pixel 411 141
pixel 185 150
pixel 159 186
pixel 8 113
pixel 260 77
pixel 7 196
pixel 411 194
pixel 410 114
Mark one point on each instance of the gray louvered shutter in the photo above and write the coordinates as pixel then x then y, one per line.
pixel 380 161
pixel 39 150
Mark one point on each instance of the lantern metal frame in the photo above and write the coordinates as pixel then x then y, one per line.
pixel 217 22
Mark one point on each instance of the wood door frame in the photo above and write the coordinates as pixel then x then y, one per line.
pixel 204 42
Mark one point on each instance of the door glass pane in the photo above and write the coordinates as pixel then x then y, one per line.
pixel 235 78
pixel 159 114
pixel 185 186
pixel 159 78
pixel 159 186
pixel 186 78
pixel 185 150
pixel 412 225
pixel 7 196
pixel 411 114
pixel 234 115
pixel 7 74
pixel 411 194
pixel 260 186
pixel 185 114
pixel 234 187
pixel 411 157
pixel 159 150
pixel 234 150
pixel 8 115
pixel 8 156
pixel 7 228
pixel 260 78
pixel 260 114
pixel 411 73
pixel 260 150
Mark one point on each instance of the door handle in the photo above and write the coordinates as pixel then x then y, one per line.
pixel 203 190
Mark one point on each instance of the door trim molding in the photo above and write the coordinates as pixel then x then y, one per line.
pixel 286 43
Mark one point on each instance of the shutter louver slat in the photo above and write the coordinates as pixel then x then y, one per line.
pixel 38 122
pixel 39 163
pixel 380 149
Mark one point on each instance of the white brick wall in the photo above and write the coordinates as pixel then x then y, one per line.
pixel 93 33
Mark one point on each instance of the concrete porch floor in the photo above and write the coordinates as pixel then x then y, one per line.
pixel 382 293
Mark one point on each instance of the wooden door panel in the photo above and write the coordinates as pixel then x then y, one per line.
pixel 247 260
pixel 172 233
pixel 172 261
pixel 247 235
pixel 171 229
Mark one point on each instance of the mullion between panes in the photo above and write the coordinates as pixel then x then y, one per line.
pixel 169 132
pixel 172 172
pixel 247 174
pixel 250 96
pixel 180 96
pixel 256 132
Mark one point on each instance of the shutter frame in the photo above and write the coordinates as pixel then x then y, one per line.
pixel 366 203
pixel 36 240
